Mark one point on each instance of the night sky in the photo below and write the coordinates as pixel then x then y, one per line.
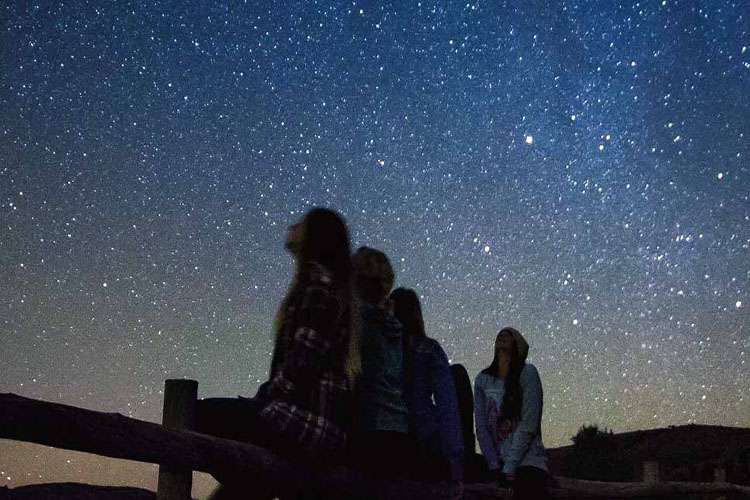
pixel 576 169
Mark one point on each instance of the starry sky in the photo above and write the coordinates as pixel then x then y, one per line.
pixel 577 169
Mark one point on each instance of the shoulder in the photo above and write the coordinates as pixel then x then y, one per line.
pixel 431 349
pixel 425 345
pixel 529 369
pixel 529 374
pixel 432 344
pixel 437 351
pixel 483 379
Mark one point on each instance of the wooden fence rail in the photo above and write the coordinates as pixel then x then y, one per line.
pixel 181 450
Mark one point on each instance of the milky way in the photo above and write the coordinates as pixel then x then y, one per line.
pixel 578 170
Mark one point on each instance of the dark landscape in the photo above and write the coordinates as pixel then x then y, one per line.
pixel 684 453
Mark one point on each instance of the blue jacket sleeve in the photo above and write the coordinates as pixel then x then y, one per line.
pixel 484 432
pixel 444 391
pixel 531 418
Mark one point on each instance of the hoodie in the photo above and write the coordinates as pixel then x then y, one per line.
pixel 502 444
pixel 431 399
pixel 381 398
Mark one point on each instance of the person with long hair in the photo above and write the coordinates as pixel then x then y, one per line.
pixel 316 360
pixel 430 393
pixel 508 402
pixel 379 443
pixel 304 409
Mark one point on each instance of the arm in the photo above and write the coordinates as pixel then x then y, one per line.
pixel 311 341
pixel 531 418
pixel 484 433
pixel 444 391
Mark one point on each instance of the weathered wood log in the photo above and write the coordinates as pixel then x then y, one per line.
pixel 651 472
pixel 114 435
pixel 720 475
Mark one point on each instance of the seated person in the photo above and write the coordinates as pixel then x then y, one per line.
pixel 508 413
pixel 430 398
pixel 304 410
pixel 379 443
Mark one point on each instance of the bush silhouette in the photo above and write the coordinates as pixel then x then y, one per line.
pixel 596 455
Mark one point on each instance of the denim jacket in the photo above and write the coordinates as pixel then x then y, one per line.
pixel 381 397
pixel 431 399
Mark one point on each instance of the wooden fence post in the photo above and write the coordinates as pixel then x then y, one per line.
pixel 179 413
pixel 720 476
pixel 651 472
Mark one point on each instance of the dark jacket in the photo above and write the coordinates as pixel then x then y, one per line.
pixel 431 399
pixel 381 399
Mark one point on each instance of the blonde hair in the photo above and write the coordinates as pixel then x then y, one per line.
pixel 373 274
pixel 353 361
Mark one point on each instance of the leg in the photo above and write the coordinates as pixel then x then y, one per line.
pixel 224 417
pixel 383 454
pixel 236 419
pixel 430 465
pixel 531 484
pixel 475 468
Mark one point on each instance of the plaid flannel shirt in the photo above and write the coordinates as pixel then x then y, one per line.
pixel 308 399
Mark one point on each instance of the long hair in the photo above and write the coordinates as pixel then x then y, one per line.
pixel 325 240
pixel 408 312
pixel 512 399
pixel 373 274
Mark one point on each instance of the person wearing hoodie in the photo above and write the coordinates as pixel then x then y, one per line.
pixel 508 404
pixel 430 393
pixel 379 443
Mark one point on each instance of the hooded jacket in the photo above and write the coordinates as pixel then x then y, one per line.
pixel 431 399
pixel 502 444
pixel 381 398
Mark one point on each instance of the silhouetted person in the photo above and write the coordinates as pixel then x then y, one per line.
pixel 304 409
pixel 508 404
pixel 434 419
pixel 475 468
pixel 380 444
pixel 465 406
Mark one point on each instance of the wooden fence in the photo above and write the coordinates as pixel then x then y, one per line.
pixel 179 451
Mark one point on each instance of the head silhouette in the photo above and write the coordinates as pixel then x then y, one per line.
pixel 408 312
pixel 321 236
pixel 510 344
pixel 373 274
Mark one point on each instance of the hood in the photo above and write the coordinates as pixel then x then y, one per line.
pixel 382 315
pixel 521 345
